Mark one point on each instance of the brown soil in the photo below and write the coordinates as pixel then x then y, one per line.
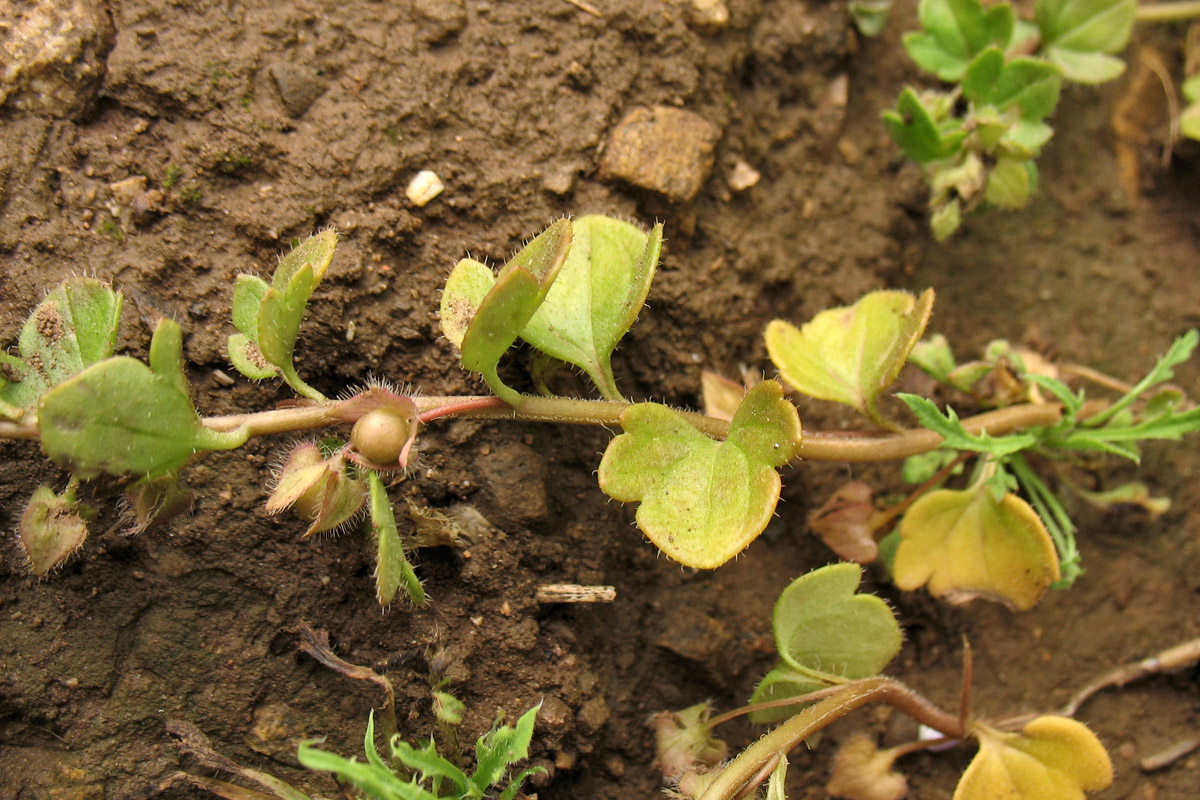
pixel 261 122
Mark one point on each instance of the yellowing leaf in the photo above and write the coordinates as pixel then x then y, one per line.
pixel 966 544
pixel 1053 758
pixel 702 501
pixel 851 354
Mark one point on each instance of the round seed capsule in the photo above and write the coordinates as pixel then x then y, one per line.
pixel 382 435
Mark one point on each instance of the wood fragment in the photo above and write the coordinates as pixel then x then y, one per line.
pixel 582 5
pixel 574 593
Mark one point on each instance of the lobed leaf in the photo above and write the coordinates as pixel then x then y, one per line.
pixel 913 126
pixel 1052 757
pixel 74 327
pixel 822 626
pixel 597 296
pixel 967 544
pixel 851 354
pixel 702 501
pixel 1080 36
pixel 121 417
pixel 1026 84
pixel 955 31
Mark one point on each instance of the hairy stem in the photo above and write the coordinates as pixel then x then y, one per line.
pixel 826 446
pixel 852 696
pixel 815 446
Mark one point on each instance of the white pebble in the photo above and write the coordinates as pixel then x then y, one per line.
pixel 424 187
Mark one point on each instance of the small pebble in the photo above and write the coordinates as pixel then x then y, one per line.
pixel 425 186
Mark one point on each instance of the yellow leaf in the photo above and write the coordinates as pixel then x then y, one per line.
pixel 965 544
pixel 1053 758
pixel 851 354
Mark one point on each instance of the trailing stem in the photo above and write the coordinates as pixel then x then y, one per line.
pixel 739 772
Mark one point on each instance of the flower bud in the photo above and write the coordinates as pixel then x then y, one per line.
pixel 321 489
pixel 52 528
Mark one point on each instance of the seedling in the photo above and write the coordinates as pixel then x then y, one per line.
pixel 706 486
pixel 423 774
pixel 833 643
pixel 977 140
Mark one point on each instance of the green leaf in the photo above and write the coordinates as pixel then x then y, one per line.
pixel 121 417
pixel 945 219
pixel 1009 184
pixel 427 763
pixel 315 253
pixel 1080 36
pixel 392 569
pixel 967 544
pixel 1189 118
pixel 1086 26
pixel 823 628
pixel 51 529
pixel 1025 138
pixel 782 683
pixel 506 309
pixel 870 16
pixel 913 127
pixel 851 354
pixel 279 327
pixel 73 328
pixel 1052 757
pixel 955 32
pixel 597 296
pixel 501 747
pixel 1088 68
pixel 1027 84
pixel 957 437
pixel 248 292
pixel 702 501
pixel 934 357
pixel 825 633
pixel 1180 351
pixel 275 327
pixel 379 783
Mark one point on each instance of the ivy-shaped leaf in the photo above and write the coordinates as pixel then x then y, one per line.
pixel 912 126
pixel 392 569
pixel 1052 757
pixel 824 632
pixel 597 296
pixel 955 32
pixel 121 417
pixel 822 626
pixel 268 317
pixel 73 328
pixel 851 354
pixel 493 322
pixel 967 544
pixel 702 501
pixel 1080 36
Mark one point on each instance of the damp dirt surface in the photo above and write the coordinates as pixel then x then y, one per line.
pixel 254 124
